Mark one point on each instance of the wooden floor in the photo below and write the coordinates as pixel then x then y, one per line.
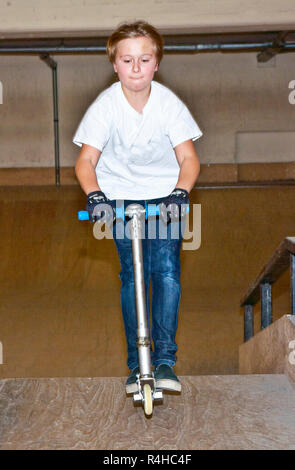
pixel 212 412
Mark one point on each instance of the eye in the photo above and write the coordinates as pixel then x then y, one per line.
pixel 127 61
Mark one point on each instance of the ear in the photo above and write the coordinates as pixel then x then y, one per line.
pixel 115 68
pixel 157 68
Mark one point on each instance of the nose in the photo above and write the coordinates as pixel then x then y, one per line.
pixel 136 67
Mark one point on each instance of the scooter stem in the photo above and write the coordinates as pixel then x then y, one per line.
pixel 137 215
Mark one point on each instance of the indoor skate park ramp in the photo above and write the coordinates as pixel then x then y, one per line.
pixel 212 412
pixel 60 312
pixel 64 368
pixel 62 344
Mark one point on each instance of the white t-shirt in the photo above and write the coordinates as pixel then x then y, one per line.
pixel 137 159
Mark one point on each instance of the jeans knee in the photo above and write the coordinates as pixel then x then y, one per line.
pixel 167 276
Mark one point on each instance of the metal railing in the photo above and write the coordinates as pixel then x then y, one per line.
pixel 261 288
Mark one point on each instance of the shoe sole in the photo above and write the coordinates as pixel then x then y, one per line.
pixel 131 388
pixel 169 384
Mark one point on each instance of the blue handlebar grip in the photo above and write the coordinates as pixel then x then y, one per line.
pixel 83 215
pixel 120 214
pixel 151 210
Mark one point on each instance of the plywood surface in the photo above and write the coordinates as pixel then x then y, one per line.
pixel 212 412
pixel 271 351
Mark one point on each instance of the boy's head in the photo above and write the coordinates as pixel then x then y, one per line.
pixel 135 30
pixel 135 50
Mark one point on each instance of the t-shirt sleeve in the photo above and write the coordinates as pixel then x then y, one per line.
pixel 181 126
pixel 94 128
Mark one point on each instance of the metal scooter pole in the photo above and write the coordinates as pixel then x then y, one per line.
pixel 147 392
pixel 136 213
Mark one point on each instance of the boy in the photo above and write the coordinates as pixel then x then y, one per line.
pixel 136 140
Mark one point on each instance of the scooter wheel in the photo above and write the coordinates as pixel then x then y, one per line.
pixel 148 399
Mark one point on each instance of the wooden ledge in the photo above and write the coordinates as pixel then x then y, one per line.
pixel 221 174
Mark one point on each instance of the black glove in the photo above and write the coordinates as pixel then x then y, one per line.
pixel 99 205
pixel 174 206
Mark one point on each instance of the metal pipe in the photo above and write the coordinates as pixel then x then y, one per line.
pixel 248 322
pixel 53 65
pixel 171 48
pixel 56 131
pixel 266 304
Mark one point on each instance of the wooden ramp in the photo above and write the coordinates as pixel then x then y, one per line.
pixel 212 412
pixel 271 351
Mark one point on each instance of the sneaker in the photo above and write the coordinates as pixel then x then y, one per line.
pixel 166 378
pixel 131 383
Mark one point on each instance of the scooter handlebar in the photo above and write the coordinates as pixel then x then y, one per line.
pixel 150 210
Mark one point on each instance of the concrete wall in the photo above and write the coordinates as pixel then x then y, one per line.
pixel 31 16
pixel 241 106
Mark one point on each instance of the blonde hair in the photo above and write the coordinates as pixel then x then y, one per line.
pixel 135 30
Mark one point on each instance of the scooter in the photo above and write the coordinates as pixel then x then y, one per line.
pixel 147 393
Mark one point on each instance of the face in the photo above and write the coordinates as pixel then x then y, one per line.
pixel 136 62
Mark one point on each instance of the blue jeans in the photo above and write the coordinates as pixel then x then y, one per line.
pixel 161 262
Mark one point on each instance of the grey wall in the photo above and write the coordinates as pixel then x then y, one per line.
pixel 19 17
pixel 241 106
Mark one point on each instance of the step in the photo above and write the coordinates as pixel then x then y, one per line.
pixel 271 350
pixel 212 412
